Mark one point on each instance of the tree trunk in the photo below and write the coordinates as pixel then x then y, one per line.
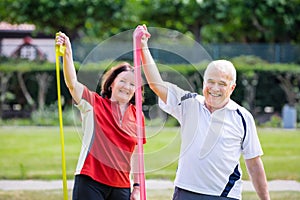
pixel 43 80
pixel 196 30
pixel 4 78
pixel 26 94
pixel 250 84
pixel 287 86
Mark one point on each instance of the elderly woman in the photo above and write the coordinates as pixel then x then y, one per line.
pixel 109 132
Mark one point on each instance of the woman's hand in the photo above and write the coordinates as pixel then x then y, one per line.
pixel 63 39
pixel 135 194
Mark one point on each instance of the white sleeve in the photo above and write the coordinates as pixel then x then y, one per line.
pixel 173 105
pixel 83 106
pixel 251 145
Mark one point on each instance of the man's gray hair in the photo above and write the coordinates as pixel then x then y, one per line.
pixel 225 66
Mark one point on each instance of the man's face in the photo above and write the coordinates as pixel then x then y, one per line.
pixel 217 88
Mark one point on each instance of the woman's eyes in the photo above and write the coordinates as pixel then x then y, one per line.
pixel 131 84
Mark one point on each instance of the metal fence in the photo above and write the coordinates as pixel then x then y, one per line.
pixel 171 53
pixel 274 53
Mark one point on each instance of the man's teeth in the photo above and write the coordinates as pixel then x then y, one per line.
pixel 215 95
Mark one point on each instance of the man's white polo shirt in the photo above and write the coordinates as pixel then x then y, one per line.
pixel 211 143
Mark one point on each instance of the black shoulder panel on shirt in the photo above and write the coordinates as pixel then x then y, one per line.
pixel 244 125
pixel 188 96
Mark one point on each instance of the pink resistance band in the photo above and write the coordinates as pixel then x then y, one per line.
pixel 137 36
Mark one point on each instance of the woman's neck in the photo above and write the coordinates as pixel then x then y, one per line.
pixel 123 107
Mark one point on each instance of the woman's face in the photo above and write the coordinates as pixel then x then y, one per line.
pixel 122 89
pixel 217 89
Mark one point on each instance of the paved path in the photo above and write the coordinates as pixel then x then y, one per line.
pixel 277 185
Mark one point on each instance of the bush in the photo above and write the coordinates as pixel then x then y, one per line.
pixel 49 116
pixel 275 122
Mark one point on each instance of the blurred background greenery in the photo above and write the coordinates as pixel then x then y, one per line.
pixel 258 36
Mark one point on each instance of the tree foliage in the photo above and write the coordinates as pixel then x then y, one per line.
pixel 185 16
pixel 258 21
pixel 95 18
pixel 207 20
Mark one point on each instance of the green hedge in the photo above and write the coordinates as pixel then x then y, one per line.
pixel 252 71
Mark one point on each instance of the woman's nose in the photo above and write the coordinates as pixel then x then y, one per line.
pixel 127 86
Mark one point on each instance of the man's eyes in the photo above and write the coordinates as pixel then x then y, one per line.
pixel 219 83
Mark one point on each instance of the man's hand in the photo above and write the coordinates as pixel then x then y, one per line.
pixel 140 36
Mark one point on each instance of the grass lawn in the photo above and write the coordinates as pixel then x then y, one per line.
pixel 281 154
pixel 35 152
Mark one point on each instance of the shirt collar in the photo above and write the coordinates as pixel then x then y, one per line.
pixel 231 105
